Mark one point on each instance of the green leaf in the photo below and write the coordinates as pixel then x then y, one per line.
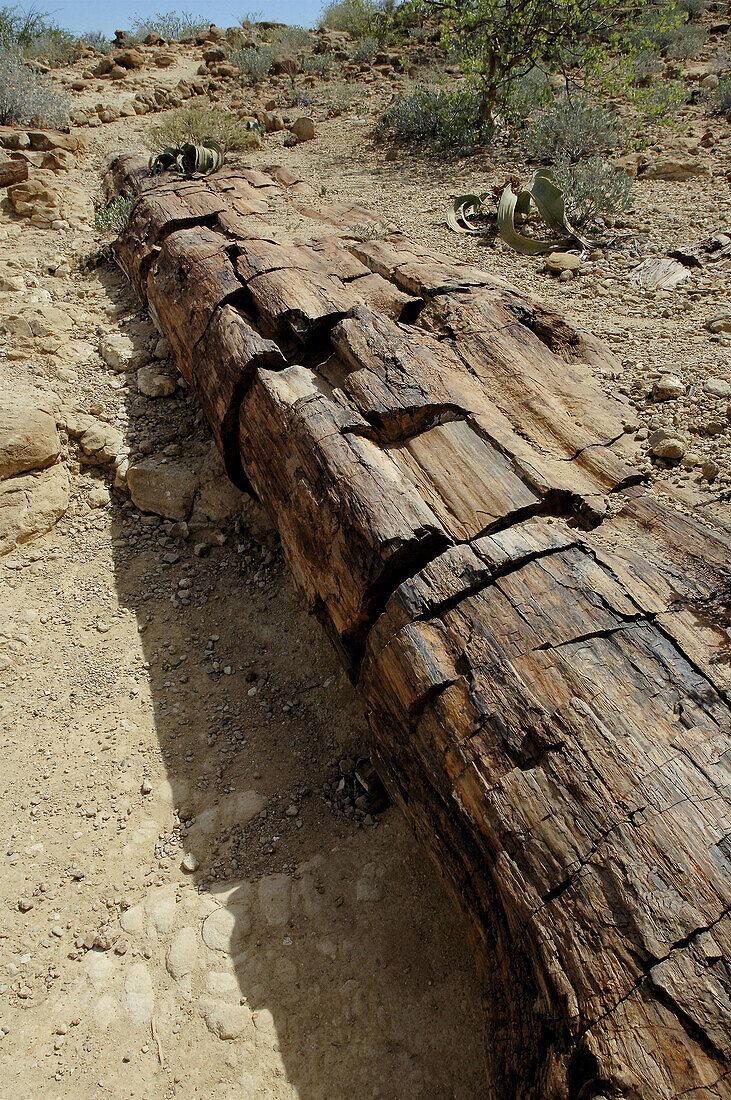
pixel 463 208
pixel 548 198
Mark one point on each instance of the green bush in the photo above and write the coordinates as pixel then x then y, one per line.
pixel 365 51
pixel 525 95
pixel 114 215
pixel 570 131
pixel 171 25
pixel 592 188
pixel 667 31
pixel 196 124
pixel 256 62
pixel 357 17
pixel 318 64
pixel 446 120
pixel 27 97
pixel 291 40
pixel 722 95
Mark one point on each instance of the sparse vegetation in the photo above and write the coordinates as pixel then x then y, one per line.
pixel 443 119
pixel 571 130
pixel 198 124
pixel 113 216
pixel 27 97
pixel 357 17
pixel 365 50
pixel 290 40
pixel 255 62
pixel 667 30
pixel 318 64
pixel 722 95
pixel 171 25
pixel 591 188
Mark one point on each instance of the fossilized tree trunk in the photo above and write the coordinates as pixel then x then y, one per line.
pixel 542 646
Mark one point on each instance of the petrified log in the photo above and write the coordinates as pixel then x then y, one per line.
pixel 542 645
pixel 13 171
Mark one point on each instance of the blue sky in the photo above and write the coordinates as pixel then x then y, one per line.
pixel 91 15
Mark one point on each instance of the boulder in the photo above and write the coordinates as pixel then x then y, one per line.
pixel 303 129
pixel 28 439
pixel 30 505
pixel 674 167
pixel 100 443
pixel 558 262
pixel 154 382
pixel 129 59
pixel 122 353
pixel 668 387
pixel 165 488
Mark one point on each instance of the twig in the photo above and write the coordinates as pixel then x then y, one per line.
pixel 156 1037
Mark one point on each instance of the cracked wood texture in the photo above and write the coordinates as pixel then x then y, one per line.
pixel 541 644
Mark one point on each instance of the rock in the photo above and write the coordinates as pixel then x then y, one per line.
pixel 224 928
pixel 153 382
pixel 28 439
pixel 710 81
pixel 719 324
pixel 30 505
pixel 165 488
pixel 667 387
pixel 129 59
pixel 558 262
pixel 674 167
pixel 218 498
pixel 25 904
pixel 164 60
pixel 663 445
pixel 717 387
pixel 303 128
pixel 190 863
pixel 162 348
pixel 710 470
pixel 659 273
pixel 139 994
pixel 58 160
pixel 274 895
pixel 215 54
pixel 48 321
pixel 101 443
pixel 227 1021
pixel 183 955
pixel 121 353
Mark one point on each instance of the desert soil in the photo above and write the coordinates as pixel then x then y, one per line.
pixel 189 905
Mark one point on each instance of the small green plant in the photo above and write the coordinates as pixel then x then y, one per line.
pixel 667 30
pixel 572 130
pixel 171 25
pixel 196 125
pixel 722 95
pixel 27 97
pixel 365 51
pixel 290 40
pixel 96 40
pixel 318 64
pixel 357 17
pixel 444 119
pixel 592 188
pixel 525 96
pixel 255 62
pixel 112 217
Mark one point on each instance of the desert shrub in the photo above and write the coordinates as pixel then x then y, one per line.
pixel 53 44
pixel 693 8
pixel 113 216
pixel 290 39
pixel 660 102
pixel 318 64
pixel 357 17
pixel 722 95
pixel 444 119
pixel 27 97
pixel 365 50
pixel 645 64
pixel 170 25
pixel 572 130
pixel 592 188
pixel 255 62
pixel 667 30
pixel 525 95
pixel 250 19
pixel 196 124
pixel 18 28
pixel 96 40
